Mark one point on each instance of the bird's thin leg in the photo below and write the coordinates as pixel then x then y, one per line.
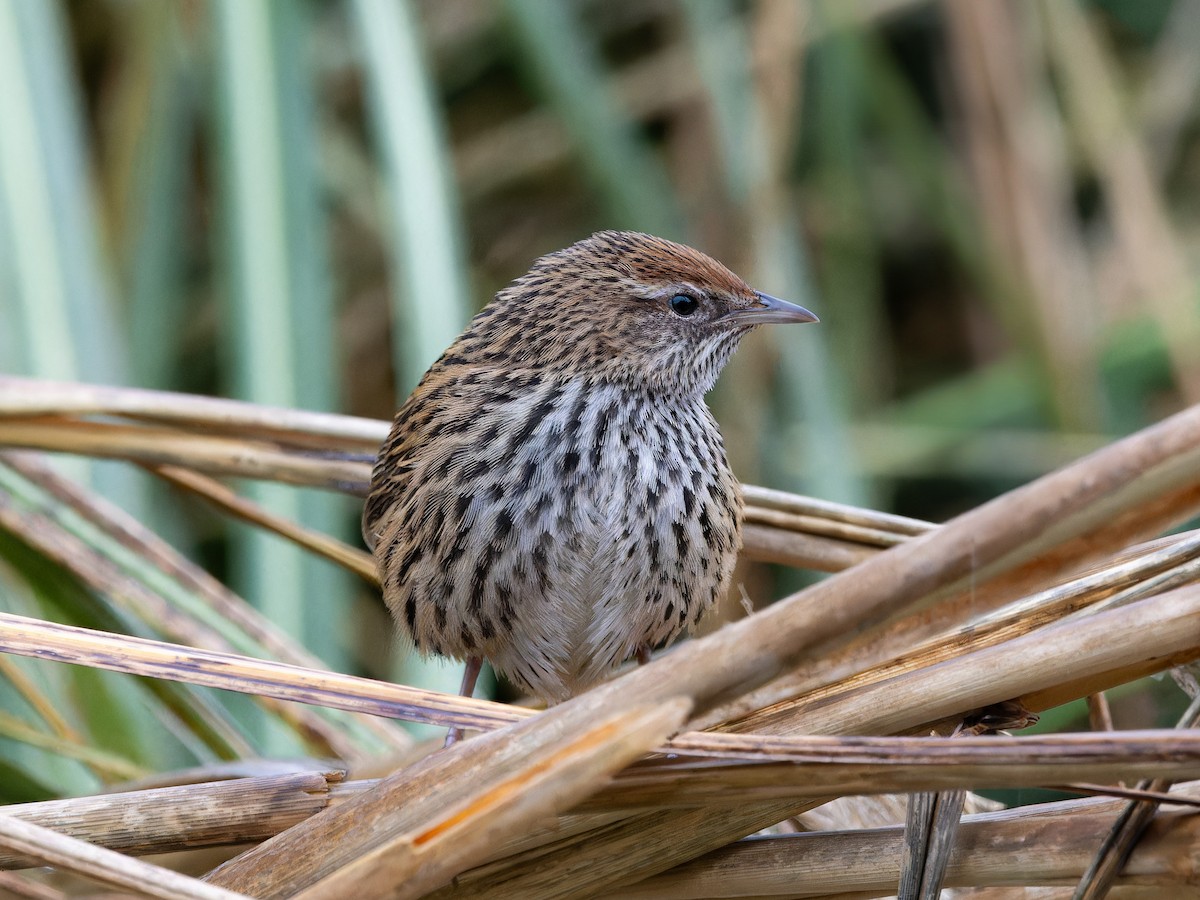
pixel 470 675
pixel 643 654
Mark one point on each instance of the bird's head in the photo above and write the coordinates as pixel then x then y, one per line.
pixel 627 307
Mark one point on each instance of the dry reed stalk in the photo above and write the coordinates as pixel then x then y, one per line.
pixel 1025 187
pixel 994 539
pixel 815 768
pixel 796 541
pixel 1127 831
pixel 824 527
pixel 14 885
pixel 1074 655
pixel 1166 96
pixel 821 554
pixel 930 833
pixel 1156 624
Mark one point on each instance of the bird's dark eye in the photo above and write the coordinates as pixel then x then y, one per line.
pixel 683 305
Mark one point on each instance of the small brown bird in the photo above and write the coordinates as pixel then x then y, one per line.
pixel 554 496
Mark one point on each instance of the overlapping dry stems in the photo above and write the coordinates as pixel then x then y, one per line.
pixel 925 632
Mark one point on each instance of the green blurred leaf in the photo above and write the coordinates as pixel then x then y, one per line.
pixel 431 297
pixel 559 55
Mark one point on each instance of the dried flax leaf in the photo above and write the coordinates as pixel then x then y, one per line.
pixel 14 885
pixel 929 834
pixel 159 820
pixel 897 643
pixel 211 490
pixel 962 646
pixel 1046 844
pixel 1119 843
pixel 1041 670
pixel 73 855
pixel 809 768
pixel 31 397
pixel 426 823
pixel 263 678
pixel 206 452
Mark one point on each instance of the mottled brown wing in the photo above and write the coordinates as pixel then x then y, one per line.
pixel 394 466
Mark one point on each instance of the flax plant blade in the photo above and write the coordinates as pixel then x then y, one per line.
pixel 281 346
pixel 145 179
pixel 430 289
pixel 105 765
pixel 560 58
pixel 59 286
pixel 350 558
pixel 155 588
pixel 431 294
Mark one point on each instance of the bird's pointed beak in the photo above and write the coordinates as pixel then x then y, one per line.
pixel 771 310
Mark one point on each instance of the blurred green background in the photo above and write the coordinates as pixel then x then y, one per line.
pixel 992 205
